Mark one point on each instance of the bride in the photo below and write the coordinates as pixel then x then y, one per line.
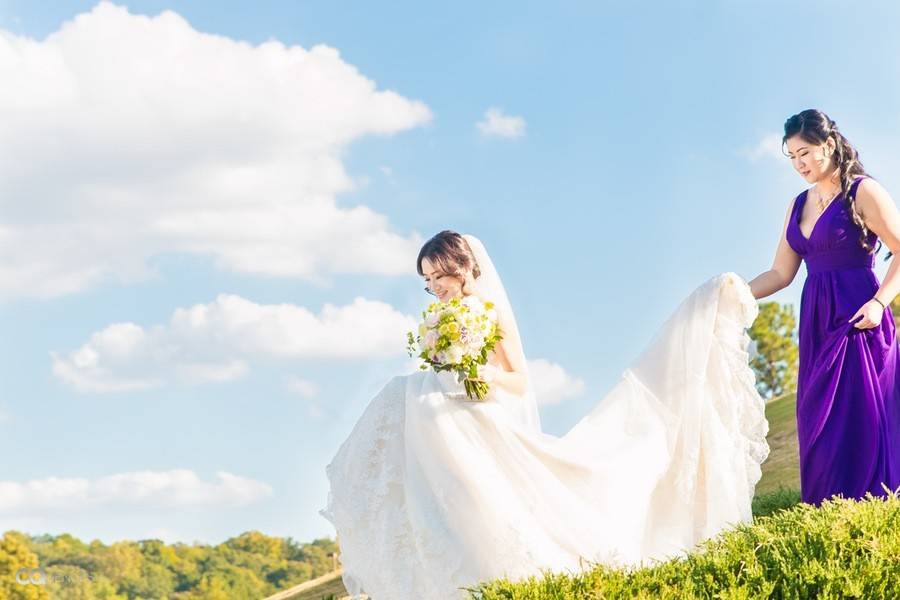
pixel 432 492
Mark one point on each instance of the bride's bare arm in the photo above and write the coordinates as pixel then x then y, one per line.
pixel 784 267
pixel 510 372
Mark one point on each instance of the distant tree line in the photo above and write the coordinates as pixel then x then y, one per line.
pixel 251 565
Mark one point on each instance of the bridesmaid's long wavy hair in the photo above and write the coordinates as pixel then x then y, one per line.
pixel 815 127
pixel 451 253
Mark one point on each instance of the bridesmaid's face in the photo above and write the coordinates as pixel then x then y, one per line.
pixel 442 285
pixel 810 160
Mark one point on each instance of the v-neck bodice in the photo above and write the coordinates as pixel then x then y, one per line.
pixel 833 242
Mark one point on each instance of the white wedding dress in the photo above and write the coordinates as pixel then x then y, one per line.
pixel 432 493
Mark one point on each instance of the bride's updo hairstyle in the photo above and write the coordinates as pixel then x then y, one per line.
pixel 451 253
pixel 815 127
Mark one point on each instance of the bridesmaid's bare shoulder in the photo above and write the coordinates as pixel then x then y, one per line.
pixel 870 195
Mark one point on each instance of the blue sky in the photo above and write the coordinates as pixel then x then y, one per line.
pixel 198 207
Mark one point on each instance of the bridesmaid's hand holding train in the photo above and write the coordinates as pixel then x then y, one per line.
pixel 871 313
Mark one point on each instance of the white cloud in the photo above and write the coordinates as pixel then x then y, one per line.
pixel 211 372
pixel 769 146
pixel 125 137
pixel 302 387
pixel 213 342
pixel 26 524
pixel 307 391
pixel 173 488
pixel 552 384
pixel 388 174
pixel 495 123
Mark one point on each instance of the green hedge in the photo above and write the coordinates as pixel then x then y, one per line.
pixel 844 549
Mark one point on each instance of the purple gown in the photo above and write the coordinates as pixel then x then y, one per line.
pixel 848 394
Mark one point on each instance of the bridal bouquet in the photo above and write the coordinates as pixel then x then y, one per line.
pixel 457 335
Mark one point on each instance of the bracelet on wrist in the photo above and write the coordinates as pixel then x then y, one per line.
pixel 879 302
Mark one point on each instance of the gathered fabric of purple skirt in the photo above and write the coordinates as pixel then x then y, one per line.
pixel 848 393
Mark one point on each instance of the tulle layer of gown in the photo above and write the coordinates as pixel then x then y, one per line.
pixel 432 493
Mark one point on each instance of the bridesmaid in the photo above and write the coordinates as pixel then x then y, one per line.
pixel 848 387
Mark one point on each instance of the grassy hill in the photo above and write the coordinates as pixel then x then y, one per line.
pixel 782 469
pixel 845 549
